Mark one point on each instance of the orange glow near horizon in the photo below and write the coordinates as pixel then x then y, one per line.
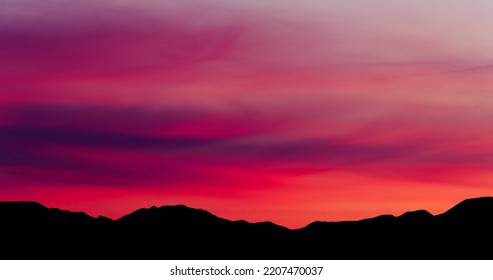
pixel 306 199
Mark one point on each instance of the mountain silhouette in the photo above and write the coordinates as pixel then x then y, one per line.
pixel 29 230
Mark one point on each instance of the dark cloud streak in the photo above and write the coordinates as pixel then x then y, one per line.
pixel 53 139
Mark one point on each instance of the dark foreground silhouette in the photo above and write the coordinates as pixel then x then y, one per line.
pixel 28 230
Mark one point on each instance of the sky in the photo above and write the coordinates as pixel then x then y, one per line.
pixel 287 111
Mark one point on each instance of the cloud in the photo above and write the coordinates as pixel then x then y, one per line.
pixel 109 145
pixel 131 91
pixel 92 38
pixel 115 145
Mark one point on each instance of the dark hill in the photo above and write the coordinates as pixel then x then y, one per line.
pixel 29 230
pixel 180 232
pixel 476 210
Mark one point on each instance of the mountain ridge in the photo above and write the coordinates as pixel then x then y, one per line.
pixel 31 230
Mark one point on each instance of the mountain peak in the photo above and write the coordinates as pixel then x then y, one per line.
pixel 418 214
pixel 171 214
pixel 22 204
pixel 473 209
pixel 472 206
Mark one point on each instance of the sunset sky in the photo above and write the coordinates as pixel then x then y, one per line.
pixel 281 110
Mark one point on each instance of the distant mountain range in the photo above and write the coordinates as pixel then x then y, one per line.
pixel 29 230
